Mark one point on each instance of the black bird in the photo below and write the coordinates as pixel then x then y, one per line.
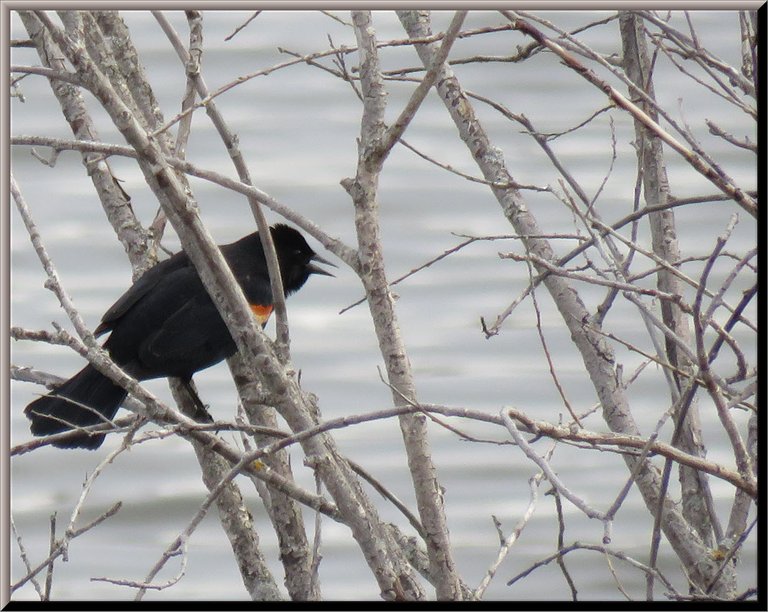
pixel 167 325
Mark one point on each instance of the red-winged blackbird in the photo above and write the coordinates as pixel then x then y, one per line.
pixel 167 325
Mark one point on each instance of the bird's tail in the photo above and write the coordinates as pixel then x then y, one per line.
pixel 88 398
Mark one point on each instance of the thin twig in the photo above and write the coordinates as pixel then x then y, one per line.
pixel 239 28
pixel 601 549
pixel 561 543
pixel 25 560
pixel 552 477
pixel 509 541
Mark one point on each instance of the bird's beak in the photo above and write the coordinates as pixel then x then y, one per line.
pixel 313 269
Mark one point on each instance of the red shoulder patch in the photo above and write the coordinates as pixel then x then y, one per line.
pixel 261 313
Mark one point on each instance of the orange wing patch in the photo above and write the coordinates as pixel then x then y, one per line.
pixel 261 313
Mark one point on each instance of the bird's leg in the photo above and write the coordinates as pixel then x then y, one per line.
pixel 200 411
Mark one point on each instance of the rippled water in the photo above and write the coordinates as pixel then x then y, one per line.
pixel 298 129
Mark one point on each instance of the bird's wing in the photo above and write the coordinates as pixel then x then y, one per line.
pixel 192 338
pixel 145 283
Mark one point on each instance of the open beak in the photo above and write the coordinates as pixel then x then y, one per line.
pixel 313 269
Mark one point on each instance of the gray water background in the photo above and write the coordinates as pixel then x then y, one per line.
pixel 297 128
